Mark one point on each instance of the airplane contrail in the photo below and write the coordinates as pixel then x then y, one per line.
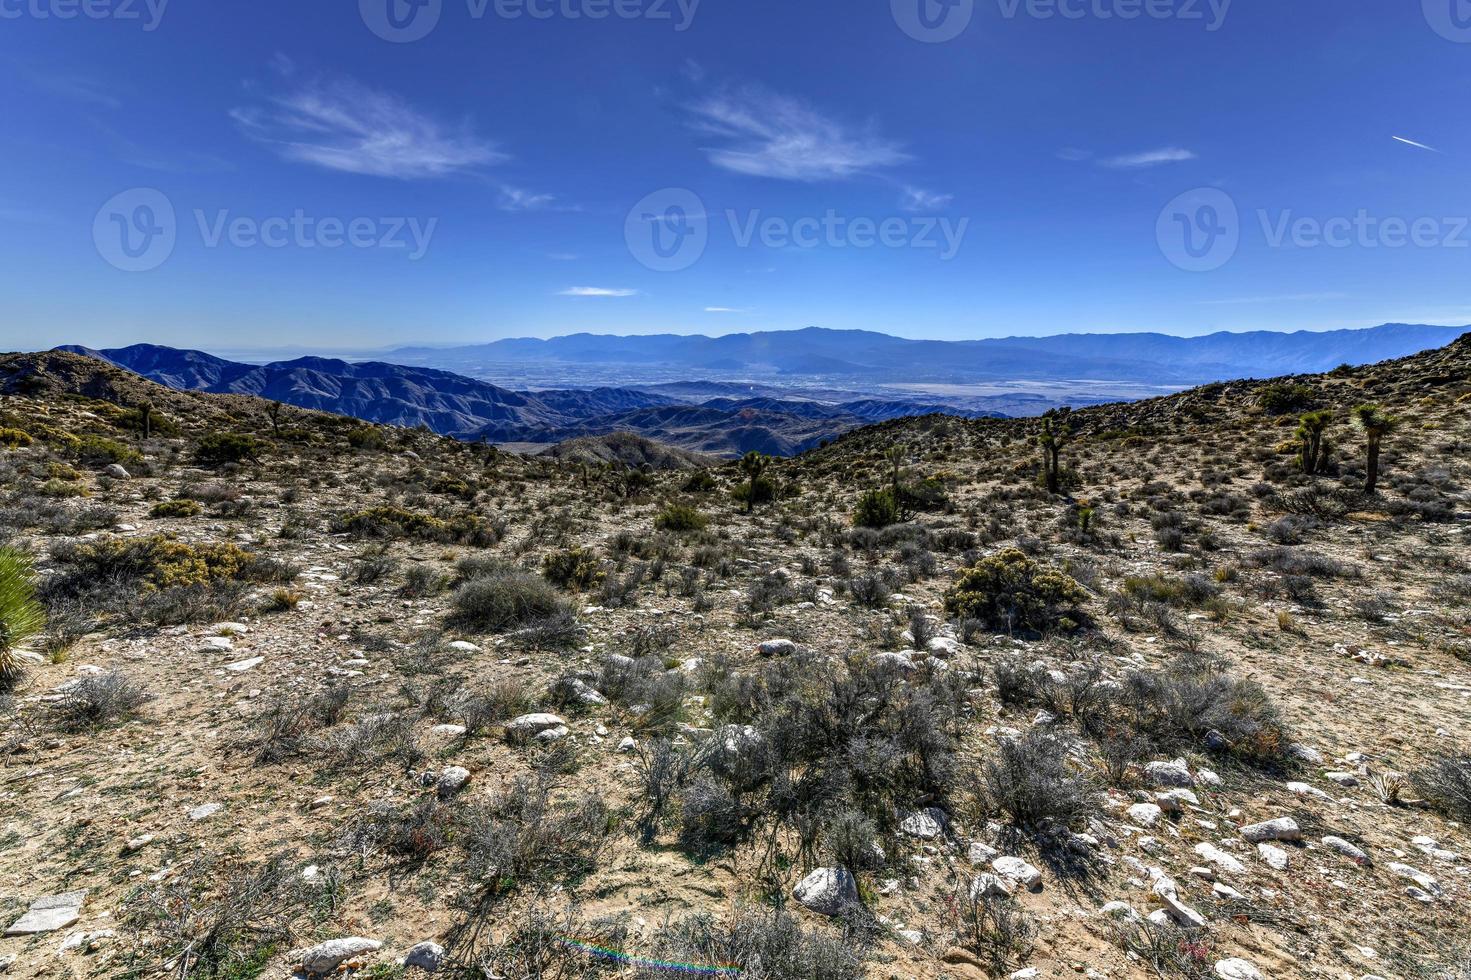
pixel 1413 143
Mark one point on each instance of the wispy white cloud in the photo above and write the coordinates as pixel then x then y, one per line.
pixel 919 199
pixel 724 309
pixel 342 124
pixel 771 135
pixel 1149 158
pixel 516 199
pixel 597 291
pixel 1073 154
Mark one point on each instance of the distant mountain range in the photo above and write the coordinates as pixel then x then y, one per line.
pixel 451 404
pixel 733 417
pixel 876 358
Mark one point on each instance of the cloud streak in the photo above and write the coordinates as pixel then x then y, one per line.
pixel 597 292
pixel 343 125
pixel 1413 143
pixel 769 135
pixel 1149 158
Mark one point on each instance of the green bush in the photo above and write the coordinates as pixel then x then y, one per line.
pixel 1283 399
pixel 395 522
pixel 218 448
pixel 15 438
pixel 1010 592
pixel 21 617
pixel 765 492
pixel 575 568
pixel 99 450
pixel 176 508
pixel 680 518
pixel 877 509
pixel 700 481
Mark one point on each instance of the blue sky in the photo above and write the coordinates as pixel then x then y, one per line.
pixel 486 172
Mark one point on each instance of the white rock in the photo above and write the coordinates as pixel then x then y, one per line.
pixel 1282 828
pixel 988 886
pixel 1169 775
pixel 1145 814
pixel 926 824
pixel 1016 870
pixel 1275 857
pixel 527 726
pixel 205 812
pixel 1346 849
pixel 451 781
pixel 1420 878
pixel 241 666
pixel 1178 910
pixel 49 914
pixel 777 648
pixel 980 854
pixel 326 957
pixel 1218 857
pixel 827 891
pixel 627 744
pixel 1122 911
pixel 1303 789
pixel 1237 969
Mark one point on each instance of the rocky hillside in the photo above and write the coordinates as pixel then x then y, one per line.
pixel 1147 690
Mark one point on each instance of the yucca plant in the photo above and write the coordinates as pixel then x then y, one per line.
pixel 21 616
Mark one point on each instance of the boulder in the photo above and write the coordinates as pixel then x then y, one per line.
pixel 425 956
pixel 1280 829
pixel 1169 775
pixel 1238 969
pixel 117 472
pixel 451 781
pixel 529 726
pixel 326 957
pixel 1346 849
pixel 827 891
pixel 1016 870
pixel 777 648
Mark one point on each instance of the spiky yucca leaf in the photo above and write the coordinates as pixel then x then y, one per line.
pixel 21 616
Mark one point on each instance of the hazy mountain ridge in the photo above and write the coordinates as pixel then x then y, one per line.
pixel 451 404
pixel 1151 358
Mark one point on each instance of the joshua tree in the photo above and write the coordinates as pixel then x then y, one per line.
pixel 145 419
pixel 753 465
pixel 1056 429
pixel 1311 433
pixel 1376 424
pixel 21 616
pixel 274 410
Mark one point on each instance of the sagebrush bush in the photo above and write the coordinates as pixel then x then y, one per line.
pixel 1029 782
pixel 1011 592
pixel 762 944
pixel 98 700
pixel 1445 784
pixel 506 598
